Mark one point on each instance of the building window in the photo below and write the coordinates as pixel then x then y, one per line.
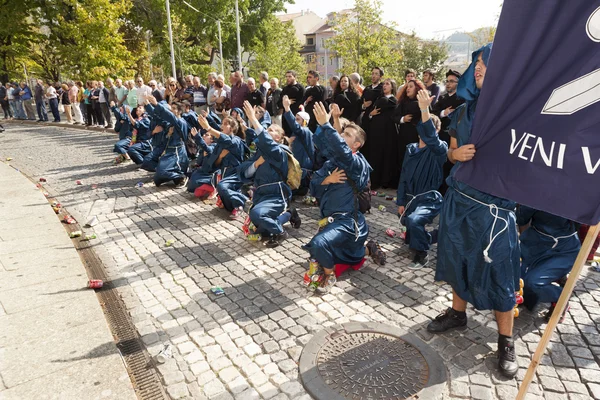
pixel 330 60
pixel 322 60
pixel 322 42
pixel 310 41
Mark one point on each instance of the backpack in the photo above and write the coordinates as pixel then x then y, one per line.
pixel 294 175
pixel 363 198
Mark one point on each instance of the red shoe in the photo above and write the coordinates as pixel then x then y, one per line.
pixel 235 214
pixel 219 203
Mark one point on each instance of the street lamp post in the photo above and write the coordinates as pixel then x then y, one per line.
pixel 221 48
pixel 171 40
pixel 237 26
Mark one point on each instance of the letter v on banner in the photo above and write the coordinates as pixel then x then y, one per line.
pixel 582 92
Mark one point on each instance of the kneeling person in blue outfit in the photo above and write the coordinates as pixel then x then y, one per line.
pixel 142 134
pixel 418 200
pixel 345 173
pixel 478 248
pixel 269 169
pixel 549 247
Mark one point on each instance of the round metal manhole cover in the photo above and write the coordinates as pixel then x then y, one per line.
pixel 370 361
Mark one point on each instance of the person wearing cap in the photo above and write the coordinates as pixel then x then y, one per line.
pixel 446 104
pixel 429 82
pixel 478 243
pixel 302 144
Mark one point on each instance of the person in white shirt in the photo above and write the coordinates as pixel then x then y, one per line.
pixel 143 91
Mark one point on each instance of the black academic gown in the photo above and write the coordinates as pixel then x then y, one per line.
pixel 383 145
pixel 349 102
pixel 407 132
pixel 294 92
pixel 317 93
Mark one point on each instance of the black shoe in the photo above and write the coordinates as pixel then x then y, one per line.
pixel 507 359
pixel 420 260
pixel 434 236
pixel 446 321
pixel 275 240
pixel 295 219
pixel 181 182
pixel 562 281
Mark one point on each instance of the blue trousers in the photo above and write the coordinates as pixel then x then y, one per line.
pixel 138 151
pixel 13 108
pixel 268 216
pixel 421 211
pixel 122 146
pixel 172 165
pixel 54 108
pixel 20 110
pixel 229 190
pixel 337 242
pixel 41 110
pixel 543 265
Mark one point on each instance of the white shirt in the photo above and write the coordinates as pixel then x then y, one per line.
pixel 9 93
pixel 143 92
pixel 51 92
pixel 266 85
pixel 101 97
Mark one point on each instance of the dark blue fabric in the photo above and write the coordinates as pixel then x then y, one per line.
pixel 122 145
pixel 303 147
pixel 122 124
pixel 173 163
pixel 538 51
pixel 422 169
pixel 138 151
pixel 466 221
pixel 544 259
pixel 420 212
pixel 341 241
pixel 229 190
pixel 272 194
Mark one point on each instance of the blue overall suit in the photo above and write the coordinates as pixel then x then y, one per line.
pixel 207 174
pixel 422 174
pixel 173 163
pixel 303 148
pixel 143 142
pixel 342 241
pixel 272 193
pixel 123 128
pixel 478 248
pixel 549 248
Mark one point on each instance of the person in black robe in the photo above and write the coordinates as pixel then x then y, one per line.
pixel 346 97
pixel 295 92
pixel 446 104
pixel 313 94
pixel 383 138
pixel 368 99
pixel 407 116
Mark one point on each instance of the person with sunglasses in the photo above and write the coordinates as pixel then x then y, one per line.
pixel 446 104
pixel 155 91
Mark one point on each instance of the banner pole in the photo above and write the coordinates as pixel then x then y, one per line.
pixel 558 310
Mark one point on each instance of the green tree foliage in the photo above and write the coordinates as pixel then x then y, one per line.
pixel 363 41
pixel 80 38
pixel 420 54
pixel 15 35
pixel 275 50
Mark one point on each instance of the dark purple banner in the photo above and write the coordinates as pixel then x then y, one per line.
pixel 537 125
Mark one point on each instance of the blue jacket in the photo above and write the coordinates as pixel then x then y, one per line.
pixel 27 95
pixel 270 177
pixel 303 147
pixel 338 197
pixel 122 124
pixel 422 169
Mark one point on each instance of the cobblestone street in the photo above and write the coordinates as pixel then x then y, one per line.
pixel 246 343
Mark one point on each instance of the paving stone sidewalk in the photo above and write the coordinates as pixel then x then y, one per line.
pixel 246 344
pixel 54 339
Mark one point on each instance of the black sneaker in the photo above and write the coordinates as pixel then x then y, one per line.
pixel 420 260
pixel 275 240
pixel 295 219
pixel 377 255
pixel 507 359
pixel 450 319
